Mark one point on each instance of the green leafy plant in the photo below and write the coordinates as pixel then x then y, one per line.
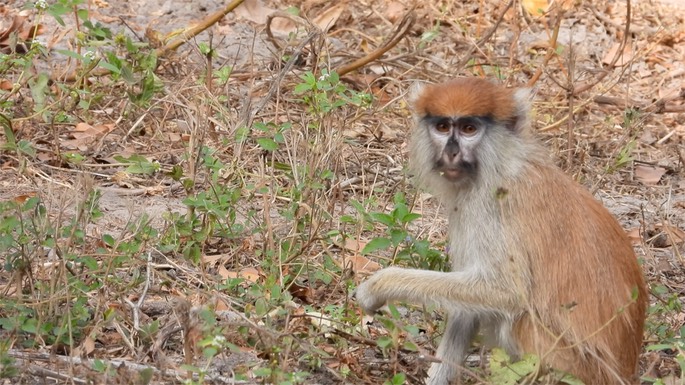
pixel 400 334
pixel 429 35
pixel 273 135
pixel 326 93
pixel 8 367
pixel 138 164
pixel 504 371
pixel 406 247
pixel 624 157
pixel 25 234
pixel 397 379
pixel 670 341
pixel 211 345
pixel 22 147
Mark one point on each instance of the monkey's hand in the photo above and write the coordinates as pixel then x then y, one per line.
pixel 369 294
pixel 366 298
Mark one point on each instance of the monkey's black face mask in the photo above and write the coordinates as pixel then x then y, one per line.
pixel 458 137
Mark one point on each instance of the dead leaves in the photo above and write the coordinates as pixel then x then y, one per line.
pixel 537 8
pixel 668 235
pixel 625 56
pixel 326 19
pixel 649 175
pixel 257 12
pixel 254 11
pixel 84 135
pixel 661 235
pixel 357 263
pixel 13 37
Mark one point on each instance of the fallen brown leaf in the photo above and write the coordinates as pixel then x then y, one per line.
pixel 250 274
pixel 254 10
pixel 220 304
pixel 20 199
pixel 635 236
pixel 535 7
pixel 6 85
pixel 361 265
pixel 350 244
pixel 626 55
pixel 22 33
pixel 649 175
pixel 84 135
pixel 674 234
pixel 328 17
pixel 303 293
pixel 394 11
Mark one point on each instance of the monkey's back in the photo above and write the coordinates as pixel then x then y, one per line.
pixel 589 298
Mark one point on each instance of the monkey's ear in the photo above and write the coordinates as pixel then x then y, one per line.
pixel 414 94
pixel 522 102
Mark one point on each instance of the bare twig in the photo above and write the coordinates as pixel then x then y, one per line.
pixel 551 50
pixel 570 86
pixel 467 56
pixel 289 16
pixel 135 308
pixel 565 117
pixel 657 107
pixel 171 46
pixel 619 53
pixel 46 373
pixel 197 29
pixel 276 83
pixel 167 373
pixel 402 29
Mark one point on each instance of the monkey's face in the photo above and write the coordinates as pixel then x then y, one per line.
pixel 469 133
pixel 455 141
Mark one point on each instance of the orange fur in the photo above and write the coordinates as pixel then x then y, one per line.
pixel 584 271
pixel 467 97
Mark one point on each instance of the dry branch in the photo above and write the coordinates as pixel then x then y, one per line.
pixel 295 19
pixel 196 30
pixel 467 56
pixel 619 53
pixel 275 83
pixel 658 107
pixel 551 50
pixel 402 29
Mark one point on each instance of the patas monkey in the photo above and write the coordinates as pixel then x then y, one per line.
pixel 538 265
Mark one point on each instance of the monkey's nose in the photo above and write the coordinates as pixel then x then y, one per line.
pixel 451 150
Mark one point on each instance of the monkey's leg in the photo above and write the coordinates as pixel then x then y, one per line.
pixel 460 329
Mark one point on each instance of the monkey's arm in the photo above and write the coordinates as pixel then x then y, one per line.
pixel 445 289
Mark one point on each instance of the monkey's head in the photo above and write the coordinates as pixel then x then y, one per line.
pixel 468 130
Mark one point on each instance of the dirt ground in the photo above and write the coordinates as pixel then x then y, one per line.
pixel 626 145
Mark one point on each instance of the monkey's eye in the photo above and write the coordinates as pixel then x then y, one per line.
pixel 442 127
pixel 468 129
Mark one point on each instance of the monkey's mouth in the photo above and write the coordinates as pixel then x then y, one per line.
pixel 450 174
pixel 455 172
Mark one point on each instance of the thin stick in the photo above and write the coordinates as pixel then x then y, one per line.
pixel 467 56
pixel 196 30
pixel 569 93
pixel 619 53
pixel 551 51
pixel 402 29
